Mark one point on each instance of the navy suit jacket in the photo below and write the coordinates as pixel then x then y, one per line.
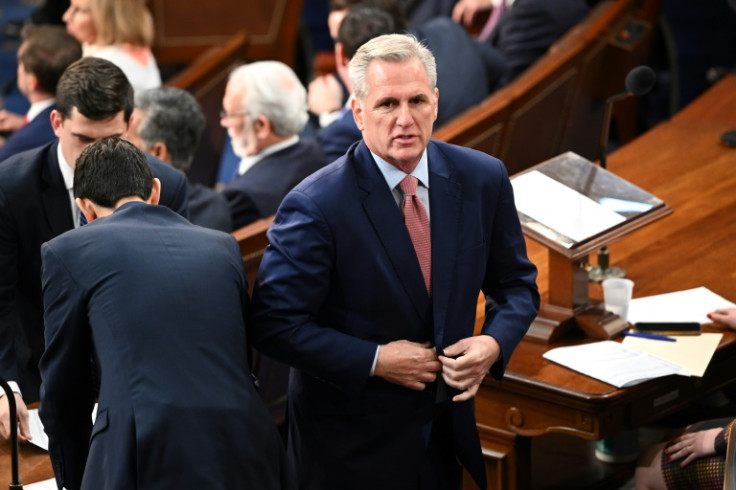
pixel 340 252
pixel 258 192
pixel 34 208
pixel 467 71
pixel 525 32
pixel 160 305
pixel 36 133
pixel 337 137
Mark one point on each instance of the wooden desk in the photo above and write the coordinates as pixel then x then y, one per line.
pixel 684 163
pixel 34 463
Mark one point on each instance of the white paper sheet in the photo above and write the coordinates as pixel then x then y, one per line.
pixel 691 305
pixel 39 437
pixel 612 363
pixel 561 208
pixel 42 485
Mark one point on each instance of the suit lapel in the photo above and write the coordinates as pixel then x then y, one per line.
pixel 445 214
pixel 389 226
pixel 54 195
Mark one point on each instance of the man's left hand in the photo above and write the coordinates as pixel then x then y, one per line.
pixel 474 357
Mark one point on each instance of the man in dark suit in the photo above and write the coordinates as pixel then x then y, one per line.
pixel 44 54
pixel 168 123
pixel 368 308
pixel 94 100
pixel 160 306
pixel 265 109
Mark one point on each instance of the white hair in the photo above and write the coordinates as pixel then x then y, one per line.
pixel 273 90
pixel 397 48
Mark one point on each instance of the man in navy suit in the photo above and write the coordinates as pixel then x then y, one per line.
pixel 160 305
pixel 44 54
pixel 265 109
pixel 385 362
pixel 94 100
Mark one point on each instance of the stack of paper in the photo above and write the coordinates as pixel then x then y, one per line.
pixel 638 359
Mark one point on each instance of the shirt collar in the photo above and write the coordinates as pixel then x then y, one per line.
pixel 67 172
pixel 38 107
pixel 247 162
pixel 394 176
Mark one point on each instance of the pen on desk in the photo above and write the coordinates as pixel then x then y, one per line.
pixel 652 336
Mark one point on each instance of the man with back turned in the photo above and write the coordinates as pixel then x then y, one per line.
pixel 159 304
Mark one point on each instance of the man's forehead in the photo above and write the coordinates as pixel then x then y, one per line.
pixel 383 79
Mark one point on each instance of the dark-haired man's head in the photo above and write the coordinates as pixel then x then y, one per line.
pixel 167 123
pixel 94 100
pixel 361 23
pixel 109 173
pixel 43 56
pixel 338 9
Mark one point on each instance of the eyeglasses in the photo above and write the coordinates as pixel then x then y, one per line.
pixel 226 115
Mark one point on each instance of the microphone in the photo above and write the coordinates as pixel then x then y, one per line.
pixel 14 457
pixel 639 81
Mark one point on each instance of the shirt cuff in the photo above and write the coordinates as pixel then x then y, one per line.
pixel 375 360
pixel 16 389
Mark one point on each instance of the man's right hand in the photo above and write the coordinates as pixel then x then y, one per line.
pixel 324 95
pixel 24 432
pixel 408 364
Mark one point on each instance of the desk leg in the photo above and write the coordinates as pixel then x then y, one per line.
pixel 507 458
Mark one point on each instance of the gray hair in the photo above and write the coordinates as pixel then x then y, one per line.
pixel 173 117
pixel 272 89
pixel 396 48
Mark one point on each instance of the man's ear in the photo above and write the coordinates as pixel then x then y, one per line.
pixel 33 81
pixel 340 57
pixel 88 209
pixel 155 192
pixel 262 127
pixel 436 102
pixel 56 121
pixel 160 151
pixel 357 107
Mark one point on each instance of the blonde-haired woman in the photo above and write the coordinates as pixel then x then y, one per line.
pixel 120 31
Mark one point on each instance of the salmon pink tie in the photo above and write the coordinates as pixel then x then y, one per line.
pixel 417 222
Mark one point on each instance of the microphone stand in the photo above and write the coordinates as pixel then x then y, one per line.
pixel 603 270
pixel 15 480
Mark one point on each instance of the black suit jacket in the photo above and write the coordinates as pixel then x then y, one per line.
pixel 161 306
pixel 258 192
pixel 34 208
pixel 208 208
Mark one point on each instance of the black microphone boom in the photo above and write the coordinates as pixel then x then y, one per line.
pixel 13 414
pixel 639 81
